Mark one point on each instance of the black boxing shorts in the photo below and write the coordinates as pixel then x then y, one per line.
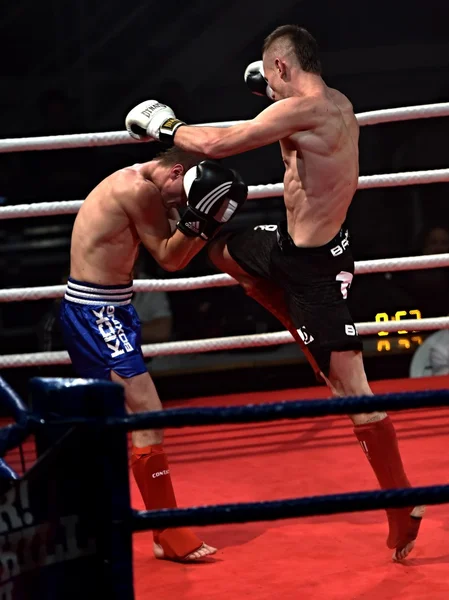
pixel 316 282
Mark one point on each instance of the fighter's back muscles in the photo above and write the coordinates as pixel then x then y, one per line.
pixel 150 218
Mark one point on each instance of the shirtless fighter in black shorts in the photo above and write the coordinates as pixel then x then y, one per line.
pixel 301 269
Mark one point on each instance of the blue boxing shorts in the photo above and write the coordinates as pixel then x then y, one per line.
pixel 101 330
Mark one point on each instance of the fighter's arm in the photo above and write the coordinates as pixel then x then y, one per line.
pixel 173 217
pixel 279 120
pixel 171 249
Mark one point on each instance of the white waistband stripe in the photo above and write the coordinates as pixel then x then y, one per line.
pixel 87 294
pixel 97 290
pixel 74 294
pixel 97 302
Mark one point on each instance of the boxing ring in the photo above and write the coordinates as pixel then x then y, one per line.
pixel 72 525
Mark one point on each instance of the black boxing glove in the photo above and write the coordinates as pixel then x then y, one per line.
pixel 255 80
pixel 214 195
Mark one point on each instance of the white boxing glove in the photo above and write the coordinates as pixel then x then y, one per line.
pixel 255 80
pixel 151 119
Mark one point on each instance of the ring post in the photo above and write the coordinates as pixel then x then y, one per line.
pixel 69 524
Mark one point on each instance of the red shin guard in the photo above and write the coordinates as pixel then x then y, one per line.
pixel 152 475
pixel 380 445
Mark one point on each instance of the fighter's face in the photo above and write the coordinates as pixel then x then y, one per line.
pixel 173 193
pixel 271 77
pixel 268 73
pixel 273 72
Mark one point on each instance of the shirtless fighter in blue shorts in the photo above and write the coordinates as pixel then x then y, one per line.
pixel 101 329
pixel 301 269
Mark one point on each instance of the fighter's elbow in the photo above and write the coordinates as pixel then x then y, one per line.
pixel 169 265
pixel 164 257
pixel 214 148
pixel 219 153
pixel 172 264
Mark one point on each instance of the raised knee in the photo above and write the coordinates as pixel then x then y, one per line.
pixel 220 257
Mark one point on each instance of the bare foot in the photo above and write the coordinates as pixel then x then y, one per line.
pixel 399 555
pixel 404 527
pixel 203 551
pixel 180 544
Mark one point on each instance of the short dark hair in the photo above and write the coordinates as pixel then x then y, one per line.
pixel 304 46
pixel 174 156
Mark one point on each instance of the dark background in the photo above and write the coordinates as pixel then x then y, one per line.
pixel 75 67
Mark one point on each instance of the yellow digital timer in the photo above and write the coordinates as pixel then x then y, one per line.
pixel 403 343
pixel 399 314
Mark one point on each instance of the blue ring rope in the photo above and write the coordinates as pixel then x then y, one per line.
pixel 290 508
pixel 252 413
pixel 256 413
pixel 14 434
pixel 12 402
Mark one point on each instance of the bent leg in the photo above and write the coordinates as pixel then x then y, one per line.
pixel 219 254
pixel 377 437
pixel 265 292
pixel 150 467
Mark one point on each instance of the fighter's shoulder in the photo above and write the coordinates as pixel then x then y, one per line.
pixel 130 183
pixel 310 107
pixel 320 104
pixel 340 101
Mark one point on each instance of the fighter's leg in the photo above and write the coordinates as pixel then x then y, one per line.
pixel 219 254
pixel 322 313
pixel 377 436
pixel 141 396
pixel 151 471
pixel 265 292
pixel 85 329
pixel 262 289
